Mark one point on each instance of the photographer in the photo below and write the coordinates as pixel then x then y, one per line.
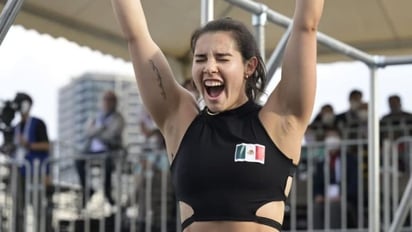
pixel 31 143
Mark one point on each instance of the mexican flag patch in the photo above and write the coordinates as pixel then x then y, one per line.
pixel 246 152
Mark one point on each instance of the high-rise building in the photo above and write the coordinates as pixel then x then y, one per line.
pixel 80 100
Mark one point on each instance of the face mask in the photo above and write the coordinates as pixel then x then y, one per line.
pixel 332 142
pixel 328 118
pixel 354 105
pixel 25 107
pixel 363 115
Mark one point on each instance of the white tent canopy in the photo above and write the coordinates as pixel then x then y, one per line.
pixel 377 27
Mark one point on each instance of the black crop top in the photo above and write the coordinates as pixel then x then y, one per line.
pixel 227 167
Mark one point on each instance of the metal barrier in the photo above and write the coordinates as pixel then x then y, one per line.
pixel 144 200
pixel 15 194
pixel 7 16
pixel 141 189
pixel 342 207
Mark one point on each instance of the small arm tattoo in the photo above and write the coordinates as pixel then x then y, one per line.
pixel 159 79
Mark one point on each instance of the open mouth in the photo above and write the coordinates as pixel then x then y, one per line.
pixel 214 88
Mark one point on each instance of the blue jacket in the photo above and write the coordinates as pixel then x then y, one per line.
pixel 29 133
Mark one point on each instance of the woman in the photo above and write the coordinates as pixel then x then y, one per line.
pixel 232 163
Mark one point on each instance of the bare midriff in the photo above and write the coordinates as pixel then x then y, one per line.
pixel 228 226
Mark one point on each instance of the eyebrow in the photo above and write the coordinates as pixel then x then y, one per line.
pixel 223 54
pixel 220 55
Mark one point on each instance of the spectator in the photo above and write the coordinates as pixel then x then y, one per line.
pixel 349 118
pixel 397 120
pixel 325 119
pixel 395 124
pixel 155 152
pixel 332 189
pixel 104 136
pixel 32 143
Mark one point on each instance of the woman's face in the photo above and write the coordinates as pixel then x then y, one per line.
pixel 219 71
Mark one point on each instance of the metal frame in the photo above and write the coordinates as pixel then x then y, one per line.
pixel 8 15
pixel 206 11
pixel 374 62
pixel 261 14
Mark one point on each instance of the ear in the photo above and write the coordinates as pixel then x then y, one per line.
pixel 250 66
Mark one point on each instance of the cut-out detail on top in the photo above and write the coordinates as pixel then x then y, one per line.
pixel 271 214
pixel 186 211
pixel 288 186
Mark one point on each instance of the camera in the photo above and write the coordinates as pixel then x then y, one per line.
pixel 8 110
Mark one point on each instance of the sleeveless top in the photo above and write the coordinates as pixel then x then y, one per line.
pixel 227 167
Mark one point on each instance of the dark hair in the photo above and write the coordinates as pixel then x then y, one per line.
pixel 394 97
pixel 247 47
pixel 355 93
pixel 327 106
pixel 20 97
pixel 110 95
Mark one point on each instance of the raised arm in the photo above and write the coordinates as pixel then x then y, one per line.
pixel 287 112
pixel 160 92
pixel 295 94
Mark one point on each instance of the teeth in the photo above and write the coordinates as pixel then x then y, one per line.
pixel 213 83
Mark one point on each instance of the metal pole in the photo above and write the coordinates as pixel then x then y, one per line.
pixel 344 186
pixel 119 164
pixel 361 186
pixel 206 11
pixel 394 60
pixel 148 193
pixel 326 180
pixel 373 154
pixel 386 184
pixel 402 212
pixel 275 60
pixel 259 22
pixel 309 210
pixel 293 205
pixel 8 15
pixel 327 41
pixel 163 192
pixel 36 189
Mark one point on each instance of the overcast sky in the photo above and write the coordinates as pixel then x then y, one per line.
pixel 40 65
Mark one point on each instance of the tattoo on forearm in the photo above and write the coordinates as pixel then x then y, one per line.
pixel 159 79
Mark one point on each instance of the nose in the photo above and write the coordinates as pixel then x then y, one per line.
pixel 210 67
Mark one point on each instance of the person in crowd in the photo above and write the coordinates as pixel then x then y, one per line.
pixel 325 119
pixel 232 163
pixel 104 136
pixel 327 182
pixel 350 118
pixel 31 144
pixel 395 124
pixel 397 119
pixel 155 161
pixel 362 122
